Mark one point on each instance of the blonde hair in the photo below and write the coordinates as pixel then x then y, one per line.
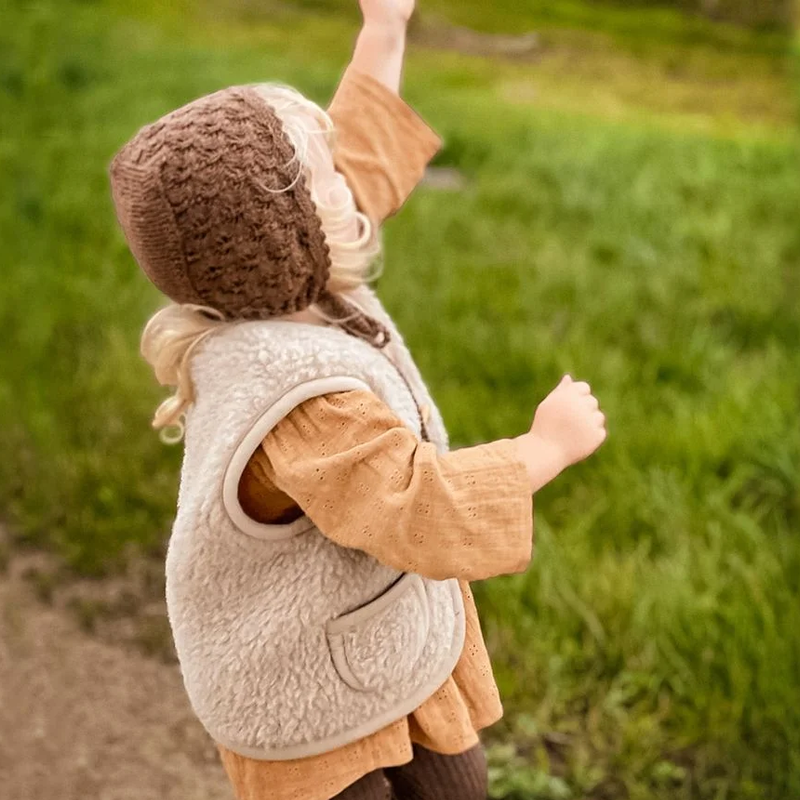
pixel 174 332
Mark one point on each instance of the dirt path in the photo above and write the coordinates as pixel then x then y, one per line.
pixel 85 719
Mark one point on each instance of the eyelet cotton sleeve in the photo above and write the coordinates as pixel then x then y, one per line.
pixel 368 483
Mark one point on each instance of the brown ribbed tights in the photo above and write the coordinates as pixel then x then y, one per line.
pixel 430 776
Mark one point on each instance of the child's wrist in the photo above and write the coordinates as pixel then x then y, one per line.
pixel 543 459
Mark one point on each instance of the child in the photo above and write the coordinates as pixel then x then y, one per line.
pixel 318 569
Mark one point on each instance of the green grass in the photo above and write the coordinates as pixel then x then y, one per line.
pixel 651 651
pixel 610 62
pixel 631 21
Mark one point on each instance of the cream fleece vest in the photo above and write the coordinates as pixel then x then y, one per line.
pixel 290 645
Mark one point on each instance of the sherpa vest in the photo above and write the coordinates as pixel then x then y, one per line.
pixel 289 644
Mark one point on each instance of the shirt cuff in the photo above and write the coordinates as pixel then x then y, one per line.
pixel 503 476
pixel 382 145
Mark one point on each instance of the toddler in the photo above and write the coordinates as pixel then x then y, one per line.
pixel 318 569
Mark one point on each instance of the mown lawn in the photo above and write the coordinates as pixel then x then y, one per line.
pixel 645 239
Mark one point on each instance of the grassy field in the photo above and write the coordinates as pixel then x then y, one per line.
pixel 629 215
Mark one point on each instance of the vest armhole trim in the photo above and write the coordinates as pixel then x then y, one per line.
pixel 250 442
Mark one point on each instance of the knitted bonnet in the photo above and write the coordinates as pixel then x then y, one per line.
pixel 215 208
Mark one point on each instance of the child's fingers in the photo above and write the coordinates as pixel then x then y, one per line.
pixel 583 387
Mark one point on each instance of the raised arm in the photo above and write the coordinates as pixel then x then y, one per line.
pixel 382 145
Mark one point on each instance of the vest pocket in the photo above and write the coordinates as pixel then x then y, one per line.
pixel 378 645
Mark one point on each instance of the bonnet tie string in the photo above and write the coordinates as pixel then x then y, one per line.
pixel 353 320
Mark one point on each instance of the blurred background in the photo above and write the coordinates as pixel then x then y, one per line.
pixel 618 197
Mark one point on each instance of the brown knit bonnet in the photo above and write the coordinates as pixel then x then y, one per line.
pixel 215 208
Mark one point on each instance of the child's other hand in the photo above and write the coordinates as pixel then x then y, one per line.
pixel 568 426
pixel 386 12
pixel 569 421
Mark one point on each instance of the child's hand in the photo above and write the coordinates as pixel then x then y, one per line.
pixel 387 12
pixel 568 427
pixel 570 420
